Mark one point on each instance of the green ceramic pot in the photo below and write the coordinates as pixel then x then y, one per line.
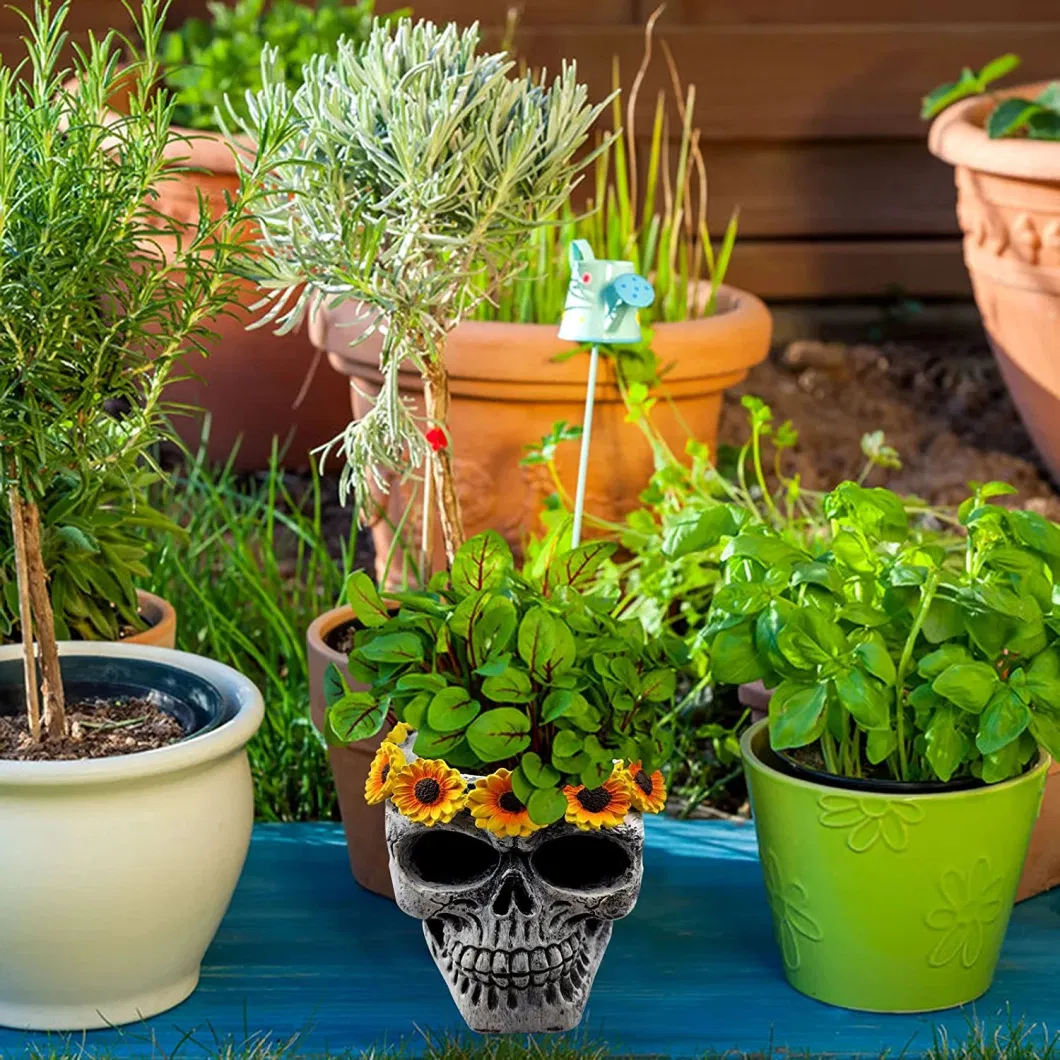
pixel 888 902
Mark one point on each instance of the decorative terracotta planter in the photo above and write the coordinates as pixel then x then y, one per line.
pixel 1008 205
pixel 363 824
pixel 508 390
pixel 1041 869
pixel 161 621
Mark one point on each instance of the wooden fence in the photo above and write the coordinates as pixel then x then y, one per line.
pixel 808 111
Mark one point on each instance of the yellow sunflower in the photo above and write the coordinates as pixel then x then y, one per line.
pixel 602 807
pixel 429 791
pixel 398 734
pixel 497 809
pixel 647 791
pixel 382 773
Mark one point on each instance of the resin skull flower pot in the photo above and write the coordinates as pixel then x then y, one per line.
pixel 517 925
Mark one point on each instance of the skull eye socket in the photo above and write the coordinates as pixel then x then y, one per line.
pixel 449 858
pixel 581 862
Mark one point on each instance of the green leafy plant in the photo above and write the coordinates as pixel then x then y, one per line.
pixel 1036 119
pixel 427 158
pixel 894 658
pixel 96 534
pixel 212 63
pixel 495 668
pixel 101 293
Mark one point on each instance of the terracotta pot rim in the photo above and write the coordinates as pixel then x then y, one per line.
pixel 322 625
pixel 957 136
pixel 529 349
pixel 156 611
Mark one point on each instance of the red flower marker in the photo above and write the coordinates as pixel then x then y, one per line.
pixel 436 439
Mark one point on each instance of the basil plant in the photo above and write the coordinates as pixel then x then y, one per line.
pixel 499 669
pixel 893 658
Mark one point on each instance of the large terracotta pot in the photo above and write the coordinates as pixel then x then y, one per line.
pixel 1041 870
pixel 251 380
pixel 1008 205
pixel 254 385
pixel 508 390
pixel 364 825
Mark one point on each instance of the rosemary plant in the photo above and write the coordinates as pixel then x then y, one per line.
pixel 410 163
pixel 101 294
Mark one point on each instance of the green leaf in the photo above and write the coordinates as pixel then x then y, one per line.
pixel 1010 116
pixel 1045 728
pixel 495 666
pixel 546 806
pixel 994 71
pixel 933 664
pixel 796 714
pixel 577 568
pixel 452 708
pixel 499 734
pixel 699 532
pixel 878 512
pixel 512 686
pixel 734 660
pixel 596 751
pixel 403 648
pixel 767 549
pixel 335 686
pixel 78 538
pixel 880 744
pixel 556 704
pixel 1002 722
pixel 483 562
pixel 943 622
pixel 537 638
pixel 1035 531
pixel 538 773
pixel 596 772
pixel 494 627
pixel 850 550
pixel 365 601
pixel 863 699
pixel 420 683
pixel 968 685
pixel 431 744
pixel 356 716
pixel 658 686
pixel 946 743
pixel 877 660
pixel 414 713
pixel 567 744
pixel 521 785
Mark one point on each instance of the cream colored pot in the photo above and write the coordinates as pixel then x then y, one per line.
pixel 115 873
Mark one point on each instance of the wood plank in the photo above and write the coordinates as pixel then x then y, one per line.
pixel 306 956
pixel 825 189
pixel 720 12
pixel 808 270
pixel 792 83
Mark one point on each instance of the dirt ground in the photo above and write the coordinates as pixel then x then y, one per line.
pixel 943 406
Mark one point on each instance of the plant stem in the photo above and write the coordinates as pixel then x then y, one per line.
pixel 44 624
pixel 926 597
pixel 436 398
pixel 25 615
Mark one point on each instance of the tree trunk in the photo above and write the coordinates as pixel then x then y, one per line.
pixel 44 622
pixel 25 614
pixel 436 397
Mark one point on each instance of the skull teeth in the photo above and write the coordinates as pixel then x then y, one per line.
pixel 470 965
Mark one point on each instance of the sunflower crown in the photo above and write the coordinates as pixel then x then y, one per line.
pixel 429 791
pixel 526 680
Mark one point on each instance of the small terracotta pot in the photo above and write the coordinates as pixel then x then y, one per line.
pixel 364 825
pixel 254 384
pixel 161 621
pixel 1041 870
pixel 508 390
pixel 1008 205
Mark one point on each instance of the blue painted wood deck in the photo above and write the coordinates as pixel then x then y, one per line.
pixel 305 951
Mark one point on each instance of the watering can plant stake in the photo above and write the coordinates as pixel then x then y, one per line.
pixel 603 307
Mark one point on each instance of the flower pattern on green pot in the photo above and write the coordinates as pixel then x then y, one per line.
pixel 791 921
pixel 971 901
pixel 868 821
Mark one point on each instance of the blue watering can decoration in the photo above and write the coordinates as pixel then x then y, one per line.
pixel 603 308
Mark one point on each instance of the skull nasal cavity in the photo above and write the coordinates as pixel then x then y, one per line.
pixel 513 892
pixel 427 791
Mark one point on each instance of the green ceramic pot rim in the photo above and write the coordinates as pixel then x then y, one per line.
pixel 866 789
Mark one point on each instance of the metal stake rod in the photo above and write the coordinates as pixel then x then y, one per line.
pixel 583 462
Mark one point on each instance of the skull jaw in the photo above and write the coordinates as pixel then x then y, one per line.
pixel 524 1004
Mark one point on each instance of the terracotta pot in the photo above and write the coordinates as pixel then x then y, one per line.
pixel 161 621
pixel 508 390
pixel 254 385
pixel 1008 205
pixel 1041 870
pixel 364 825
